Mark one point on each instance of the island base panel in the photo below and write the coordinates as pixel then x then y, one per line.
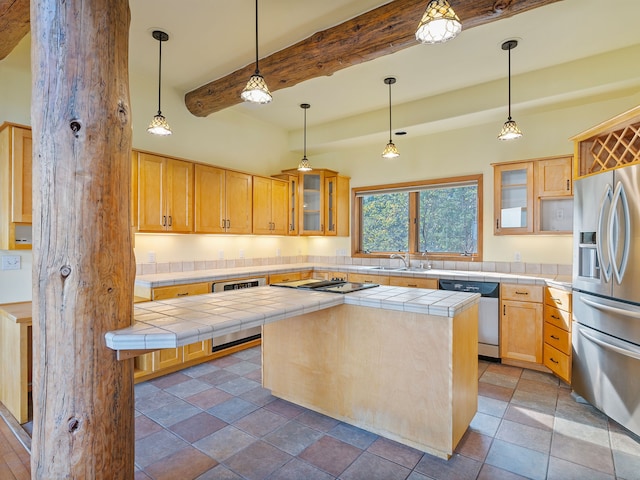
pixel 407 376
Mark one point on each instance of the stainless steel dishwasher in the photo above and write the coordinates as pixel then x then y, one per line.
pixel 488 313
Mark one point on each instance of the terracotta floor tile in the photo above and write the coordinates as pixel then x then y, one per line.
pixel 396 452
pixel 144 427
pixel 474 445
pixel 494 391
pixel 299 470
pixel 331 455
pixel 209 398
pixel 185 464
pixel 257 461
pixel 458 467
pixel 197 427
pixel 170 380
pixel 372 467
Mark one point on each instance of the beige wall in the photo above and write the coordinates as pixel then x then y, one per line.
pixel 236 140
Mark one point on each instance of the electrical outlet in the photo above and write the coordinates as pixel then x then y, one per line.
pixel 241 253
pixel 220 254
pixel 11 262
pixel 278 253
pixel 517 257
pixel 151 257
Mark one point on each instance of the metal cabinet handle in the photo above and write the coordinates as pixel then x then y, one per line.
pixel 568 185
pixel 164 220
pixel 170 221
pixel 182 294
pixel 555 317
pixel 504 309
pixel 554 337
pixel 497 224
pixel 522 293
pixel 554 360
pixel 557 300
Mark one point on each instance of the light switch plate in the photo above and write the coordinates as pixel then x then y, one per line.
pixel 10 262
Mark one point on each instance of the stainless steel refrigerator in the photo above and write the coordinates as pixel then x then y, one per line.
pixel 606 293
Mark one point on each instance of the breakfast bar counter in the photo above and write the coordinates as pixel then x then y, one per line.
pixel 399 362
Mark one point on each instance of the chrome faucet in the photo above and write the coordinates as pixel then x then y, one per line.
pixel 405 259
pixel 424 255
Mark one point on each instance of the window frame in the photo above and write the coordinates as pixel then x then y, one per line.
pixel 413 188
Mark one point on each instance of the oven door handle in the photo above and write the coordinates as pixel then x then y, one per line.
pixel 610 309
pixel 609 346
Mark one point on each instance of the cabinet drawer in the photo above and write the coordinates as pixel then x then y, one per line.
pixel 558 362
pixel 175 291
pixel 521 293
pixel 413 282
pixel 557 338
pixel 559 318
pixel 561 299
pixel 285 277
pixel 366 278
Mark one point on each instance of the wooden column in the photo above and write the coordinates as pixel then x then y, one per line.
pixel 83 265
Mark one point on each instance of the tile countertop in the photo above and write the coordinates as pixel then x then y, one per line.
pixel 181 278
pixel 180 321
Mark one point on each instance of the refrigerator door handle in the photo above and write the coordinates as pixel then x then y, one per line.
pixel 609 346
pixel 604 265
pixel 610 309
pixel 619 196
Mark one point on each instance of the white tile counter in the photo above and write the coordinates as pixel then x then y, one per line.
pixel 181 321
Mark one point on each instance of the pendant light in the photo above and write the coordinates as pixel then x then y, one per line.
pixel 390 151
pixel 439 23
pixel 256 90
pixel 159 125
pixel 510 130
pixel 305 165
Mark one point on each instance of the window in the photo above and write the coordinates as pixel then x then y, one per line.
pixel 442 217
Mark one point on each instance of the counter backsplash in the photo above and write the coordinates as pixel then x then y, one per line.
pixel 500 267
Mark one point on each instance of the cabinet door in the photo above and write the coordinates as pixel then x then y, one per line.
pixel 179 209
pixel 279 207
pixel 368 278
pixel 431 283
pixel 167 357
pixel 209 192
pixel 152 171
pixel 21 204
pixel 176 291
pixel 521 331
pixel 262 205
pixel 197 350
pixel 330 205
pixel 312 198
pixel 554 177
pixel 513 198
pixel 238 202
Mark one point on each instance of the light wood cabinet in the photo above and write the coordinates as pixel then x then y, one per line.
pixel 15 187
pixel 521 326
pixel 270 206
pixel 557 332
pixel 292 201
pixel 289 276
pixel 369 278
pixel 223 200
pixel 176 291
pixel 165 194
pixel 534 196
pixel 323 202
pixel 431 283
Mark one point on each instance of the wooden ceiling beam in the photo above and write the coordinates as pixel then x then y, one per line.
pixel 14 24
pixel 378 32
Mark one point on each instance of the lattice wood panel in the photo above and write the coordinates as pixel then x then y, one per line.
pixel 614 149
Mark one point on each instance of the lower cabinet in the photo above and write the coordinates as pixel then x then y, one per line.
pixel 289 276
pixel 557 332
pixel 369 278
pixel 431 283
pixel 168 360
pixel 521 325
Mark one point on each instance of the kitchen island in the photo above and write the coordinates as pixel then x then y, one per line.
pixel 400 362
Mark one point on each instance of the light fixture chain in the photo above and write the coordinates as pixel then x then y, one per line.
pixel 159 74
pixel 509 68
pixel 257 68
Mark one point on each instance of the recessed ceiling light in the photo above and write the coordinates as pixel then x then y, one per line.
pixel 401 132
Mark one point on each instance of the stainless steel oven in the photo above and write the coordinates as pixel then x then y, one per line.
pixel 243 336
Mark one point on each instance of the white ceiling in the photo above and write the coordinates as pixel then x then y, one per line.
pixel 211 38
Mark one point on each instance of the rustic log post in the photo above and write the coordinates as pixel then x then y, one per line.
pixel 83 265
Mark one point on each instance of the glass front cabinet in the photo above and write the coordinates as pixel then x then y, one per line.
pixel 513 198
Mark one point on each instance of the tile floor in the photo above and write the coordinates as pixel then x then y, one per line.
pixel 215 421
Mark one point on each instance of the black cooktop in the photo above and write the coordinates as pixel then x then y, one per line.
pixel 335 286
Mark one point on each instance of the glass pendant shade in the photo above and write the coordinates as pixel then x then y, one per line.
pixel 390 151
pixel 304 165
pixel 510 130
pixel 159 126
pixel 256 90
pixel 439 23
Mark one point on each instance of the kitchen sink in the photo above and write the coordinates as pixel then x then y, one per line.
pixel 390 269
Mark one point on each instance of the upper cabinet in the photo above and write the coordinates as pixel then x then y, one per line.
pixel 292 201
pixel 223 200
pixel 15 187
pixel 165 194
pixel 323 203
pixel 533 196
pixel 270 206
